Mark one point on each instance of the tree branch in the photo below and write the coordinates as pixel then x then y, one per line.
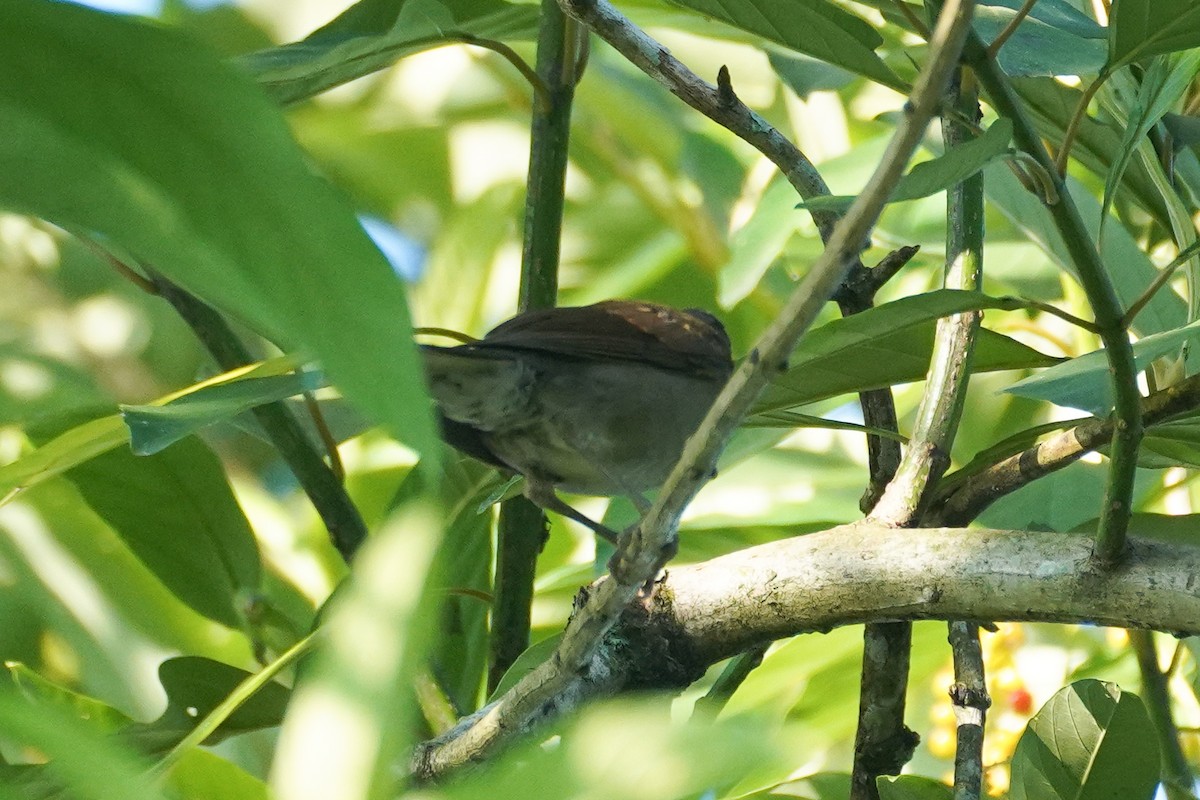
pixel 703 614
pixel 1177 779
pixel 967 499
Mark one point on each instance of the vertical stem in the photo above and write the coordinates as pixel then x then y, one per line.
pixel 1177 776
pixel 970 697
pixel 558 55
pixel 886 653
pixel 521 533
pixel 883 744
pixel 964 270
pixel 1127 429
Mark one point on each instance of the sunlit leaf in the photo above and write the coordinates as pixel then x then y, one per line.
pixel 80 758
pixel 886 345
pixel 371 35
pixel 42 691
pixel 202 774
pixel 195 687
pixel 938 174
pixel 814 27
pixel 208 186
pixel 1142 28
pixel 153 428
pixel 1163 84
pixel 912 787
pixel 1086 383
pixel 1090 741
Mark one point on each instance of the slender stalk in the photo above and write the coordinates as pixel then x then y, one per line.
pixel 885 676
pixel 520 535
pixel 1059 165
pixel 318 480
pixel 1010 28
pixel 971 701
pixel 521 531
pixel 1127 430
pixel 1177 775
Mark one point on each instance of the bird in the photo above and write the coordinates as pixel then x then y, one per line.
pixel 593 400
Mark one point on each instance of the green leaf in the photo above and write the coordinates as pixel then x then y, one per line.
pixel 195 687
pixel 1142 28
pixel 1181 529
pixel 64 451
pixel 350 685
pixel 201 774
pixel 1055 39
pixel 95 436
pixel 1165 82
pixel 208 186
pixel 912 787
pixel 1165 311
pixel 153 428
pixel 938 174
pixel 176 512
pixel 1085 383
pixel 1090 741
pixel 372 35
pixel 886 345
pixel 527 662
pixel 41 691
pixel 1172 444
pixel 459 656
pixel 758 244
pixel 805 75
pixel 81 759
pixel 814 27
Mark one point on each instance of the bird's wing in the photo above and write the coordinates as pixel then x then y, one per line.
pixel 622 330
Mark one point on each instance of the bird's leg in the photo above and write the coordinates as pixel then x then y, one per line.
pixel 543 496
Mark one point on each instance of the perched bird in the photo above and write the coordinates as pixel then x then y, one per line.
pixel 594 400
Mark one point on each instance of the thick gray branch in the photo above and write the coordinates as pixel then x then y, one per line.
pixel 705 613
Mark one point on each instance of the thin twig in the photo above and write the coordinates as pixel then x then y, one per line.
pixel 319 480
pixel 967 499
pixel 1054 311
pixel 1176 773
pixel 971 701
pixel 1064 150
pixel 511 56
pixel 640 555
pixel 918 24
pixel 326 436
pixel 1159 281
pixel 1010 28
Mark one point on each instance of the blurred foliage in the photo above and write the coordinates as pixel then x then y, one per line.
pixel 139 591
